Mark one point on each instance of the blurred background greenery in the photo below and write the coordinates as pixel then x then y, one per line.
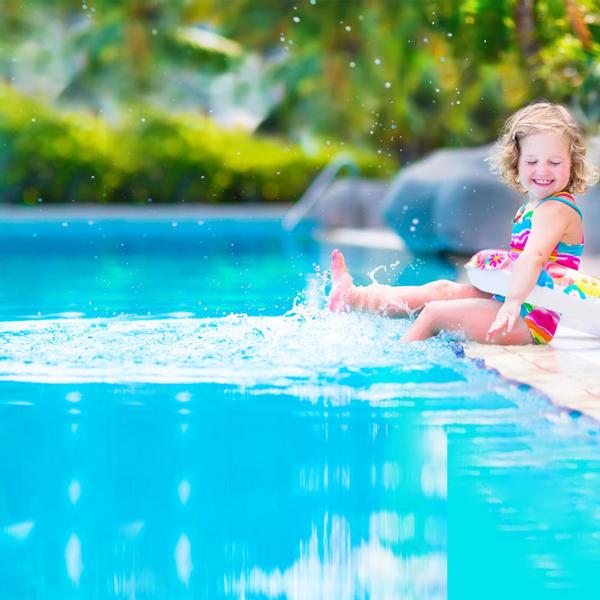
pixel 245 100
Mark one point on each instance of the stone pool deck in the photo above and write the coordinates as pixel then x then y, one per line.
pixel 567 370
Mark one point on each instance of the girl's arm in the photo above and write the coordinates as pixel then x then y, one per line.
pixel 547 228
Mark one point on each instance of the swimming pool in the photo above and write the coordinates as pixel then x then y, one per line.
pixel 181 419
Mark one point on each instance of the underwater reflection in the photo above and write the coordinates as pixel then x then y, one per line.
pixel 256 496
pixel 330 566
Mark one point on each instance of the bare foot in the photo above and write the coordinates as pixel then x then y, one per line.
pixel 343 291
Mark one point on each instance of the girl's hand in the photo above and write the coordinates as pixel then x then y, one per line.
pixel 505 320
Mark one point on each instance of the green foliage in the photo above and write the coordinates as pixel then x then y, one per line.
pixel 398 78
pixel 434 69
pixel 49 156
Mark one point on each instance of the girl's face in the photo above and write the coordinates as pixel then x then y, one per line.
pixel 544 164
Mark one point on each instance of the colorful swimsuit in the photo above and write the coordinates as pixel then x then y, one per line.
pixel 542 323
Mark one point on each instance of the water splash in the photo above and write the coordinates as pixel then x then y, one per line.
pixel 304 345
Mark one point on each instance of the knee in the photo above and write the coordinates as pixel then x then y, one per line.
pixel 444 288
pixel 432 311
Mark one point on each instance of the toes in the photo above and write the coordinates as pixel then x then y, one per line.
pixel 338 264
pixel 342 285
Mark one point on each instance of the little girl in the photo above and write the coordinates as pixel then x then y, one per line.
pixel 540 153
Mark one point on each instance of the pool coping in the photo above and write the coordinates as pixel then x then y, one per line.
pixel 567 371
pixel 151 212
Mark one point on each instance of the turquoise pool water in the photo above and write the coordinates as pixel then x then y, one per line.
pixel 182 419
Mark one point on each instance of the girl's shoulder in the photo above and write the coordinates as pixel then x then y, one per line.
pixel 561 203
pixel 560 210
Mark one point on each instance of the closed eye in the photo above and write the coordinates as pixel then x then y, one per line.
pixel 531 162
pixel 554 164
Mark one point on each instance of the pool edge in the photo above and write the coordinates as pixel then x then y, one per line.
pixel 567 371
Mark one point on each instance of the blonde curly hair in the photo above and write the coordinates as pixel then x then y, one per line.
pixel 541 117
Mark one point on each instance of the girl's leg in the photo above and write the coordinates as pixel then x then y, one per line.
pixel 395 301
pixel 472 316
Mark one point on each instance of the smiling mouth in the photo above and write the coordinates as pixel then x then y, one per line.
pixel 543 181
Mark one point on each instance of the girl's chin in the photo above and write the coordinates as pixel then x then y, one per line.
pixel 540 191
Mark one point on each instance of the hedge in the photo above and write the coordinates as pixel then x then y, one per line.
pixel 47 155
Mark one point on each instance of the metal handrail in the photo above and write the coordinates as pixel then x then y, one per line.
pixel 316 189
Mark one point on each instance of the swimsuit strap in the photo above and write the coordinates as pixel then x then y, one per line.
pixel 520 212
pixel 563 197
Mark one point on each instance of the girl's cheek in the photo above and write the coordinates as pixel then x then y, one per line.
pixel 524 172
